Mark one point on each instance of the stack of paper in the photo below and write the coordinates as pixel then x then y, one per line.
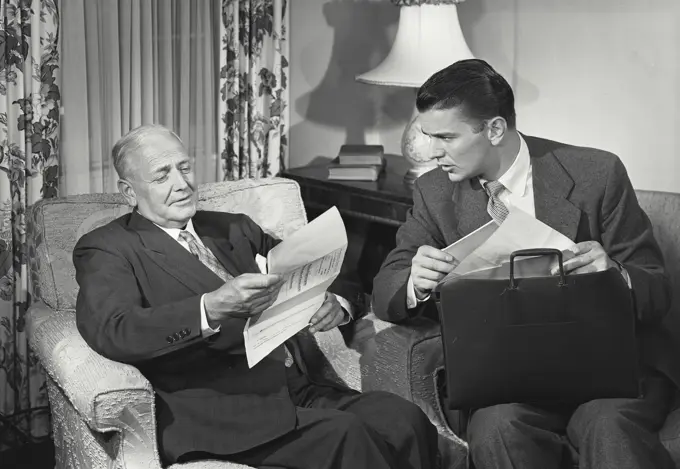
pixel 486 251
pixel 310 259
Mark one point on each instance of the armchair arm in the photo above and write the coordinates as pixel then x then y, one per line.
pixel 330 355
pixel 89 381
pixel 405 360
pixel 108 396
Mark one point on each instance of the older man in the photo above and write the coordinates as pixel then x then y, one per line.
pixel 487 168
pixel 168 289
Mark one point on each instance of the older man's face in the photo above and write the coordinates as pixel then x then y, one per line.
pixel 162 177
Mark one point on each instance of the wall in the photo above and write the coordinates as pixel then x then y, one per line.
pixel 602 73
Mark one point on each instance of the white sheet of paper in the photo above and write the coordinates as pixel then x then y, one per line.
pixel 519 231
pixel 314 240
pixel 468 243
pixel 262 337
pixel 522 231
pixel 309 276
pixel 310 259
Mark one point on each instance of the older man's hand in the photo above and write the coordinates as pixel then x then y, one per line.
pixel 242 297
pixel 329 315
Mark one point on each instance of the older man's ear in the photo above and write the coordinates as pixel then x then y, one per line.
pixel 126 189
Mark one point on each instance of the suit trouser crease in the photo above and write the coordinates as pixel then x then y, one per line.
pixel 344 429
pixel 605 433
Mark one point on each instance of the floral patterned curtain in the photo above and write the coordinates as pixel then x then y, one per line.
pixel 29 170
pixel 254 88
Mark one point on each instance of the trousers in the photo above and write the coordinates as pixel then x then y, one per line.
pixel 601 434
pixel 345 429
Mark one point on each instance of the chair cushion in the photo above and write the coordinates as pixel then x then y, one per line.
pixel 663 209
pixel 57 224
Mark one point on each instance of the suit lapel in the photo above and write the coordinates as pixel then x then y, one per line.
pixel 223 251
pixel 552 187
pixel 470 200
pixel 216 238
pixel 172 257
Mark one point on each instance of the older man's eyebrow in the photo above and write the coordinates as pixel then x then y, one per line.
pixel 162 169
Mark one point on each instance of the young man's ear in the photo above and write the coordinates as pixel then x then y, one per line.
pixel 125 188
pixel 496 130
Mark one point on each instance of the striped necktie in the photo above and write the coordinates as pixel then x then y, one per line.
pixel 495 207
pixel 204 255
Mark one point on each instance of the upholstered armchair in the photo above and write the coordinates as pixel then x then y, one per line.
pixel 663 209
pixel 103 411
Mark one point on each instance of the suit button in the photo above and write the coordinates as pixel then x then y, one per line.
pixel 183 333
pixel 170 339
pixel 176 336
pixel 188 330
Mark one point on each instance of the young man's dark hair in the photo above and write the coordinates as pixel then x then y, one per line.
pixel 473 85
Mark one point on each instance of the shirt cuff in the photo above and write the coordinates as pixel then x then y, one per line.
pixel 411 300
pixel 626 277
pixel 349 310
pixel 624 273
pixel 206 330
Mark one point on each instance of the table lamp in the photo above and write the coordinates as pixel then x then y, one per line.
pixel 428 39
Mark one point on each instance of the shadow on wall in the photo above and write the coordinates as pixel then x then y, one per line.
pixel 363 32
pixel 491 29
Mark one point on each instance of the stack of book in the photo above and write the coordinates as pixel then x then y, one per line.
pixel 357 163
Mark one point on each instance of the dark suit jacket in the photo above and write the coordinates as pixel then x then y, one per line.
pixel 583 193
pixel 139 303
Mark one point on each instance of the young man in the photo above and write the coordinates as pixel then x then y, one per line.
pixel 486 168
pixel 168 289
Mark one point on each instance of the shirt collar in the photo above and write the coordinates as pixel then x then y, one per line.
pixel 174 232
pixel 515 178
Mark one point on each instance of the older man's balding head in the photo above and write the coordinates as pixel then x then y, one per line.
pixel 132 145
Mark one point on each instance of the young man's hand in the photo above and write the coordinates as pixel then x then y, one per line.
pixel 588 257
pixel 428 267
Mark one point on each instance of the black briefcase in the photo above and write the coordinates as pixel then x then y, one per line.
pixel 547 340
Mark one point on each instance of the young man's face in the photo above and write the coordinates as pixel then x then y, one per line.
pixel 455 142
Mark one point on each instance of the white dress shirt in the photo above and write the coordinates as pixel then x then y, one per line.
pixel 518 184
pixel 518 193
pixel 206 330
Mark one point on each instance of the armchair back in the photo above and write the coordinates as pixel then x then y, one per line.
pixel 57 224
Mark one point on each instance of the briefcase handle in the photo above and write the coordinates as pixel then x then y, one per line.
pixel 535 252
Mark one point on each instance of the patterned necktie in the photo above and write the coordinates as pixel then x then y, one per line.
pixel 495 207
pixel 204 255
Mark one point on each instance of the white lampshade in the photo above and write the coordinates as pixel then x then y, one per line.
pixel 428 39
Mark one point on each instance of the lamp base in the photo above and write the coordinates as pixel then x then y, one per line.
pixel 415 146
